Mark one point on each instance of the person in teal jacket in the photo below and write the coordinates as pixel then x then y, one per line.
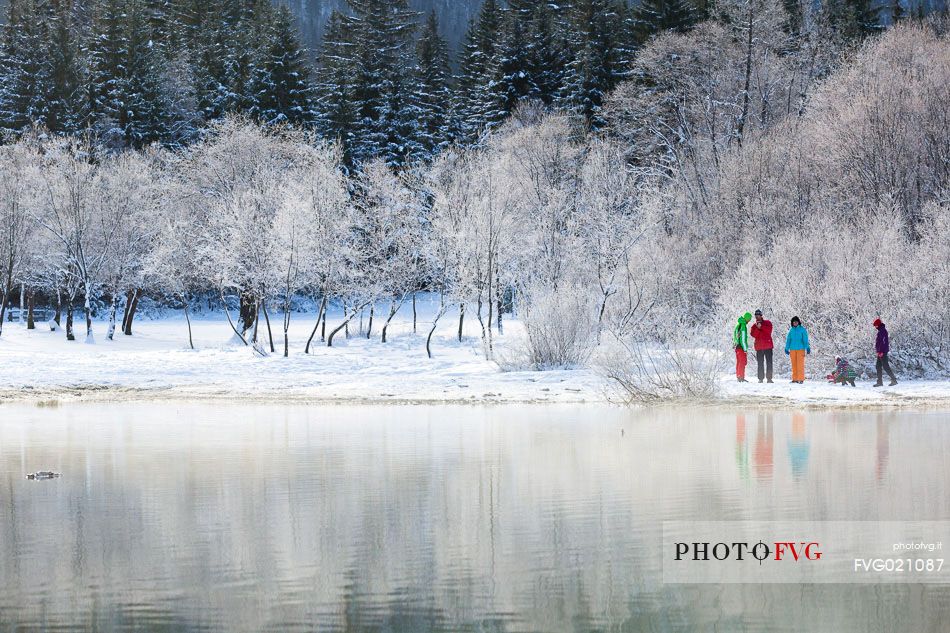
pixel 796 346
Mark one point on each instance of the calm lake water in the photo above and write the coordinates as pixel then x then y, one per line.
pixel 187 517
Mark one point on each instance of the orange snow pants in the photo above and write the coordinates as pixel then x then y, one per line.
pixel 797 357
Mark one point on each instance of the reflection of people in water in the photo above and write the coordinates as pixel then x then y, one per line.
pixel 763 447
pixel 742 449
pixel 798 445
pixel 883 447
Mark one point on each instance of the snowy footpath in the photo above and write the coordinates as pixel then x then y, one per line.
pixel 156 363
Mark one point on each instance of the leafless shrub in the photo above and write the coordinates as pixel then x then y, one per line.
pixel 642 371
pixel 561 329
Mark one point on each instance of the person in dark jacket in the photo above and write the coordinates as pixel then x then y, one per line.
pixel 762 333
pixel 882 346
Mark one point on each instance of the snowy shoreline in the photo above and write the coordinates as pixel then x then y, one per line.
pixel 96 393
pixel 155 364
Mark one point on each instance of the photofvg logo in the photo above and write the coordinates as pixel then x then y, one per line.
pixel 724 552
pixel 739 550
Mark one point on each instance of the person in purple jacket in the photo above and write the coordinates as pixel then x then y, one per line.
pixel 882 346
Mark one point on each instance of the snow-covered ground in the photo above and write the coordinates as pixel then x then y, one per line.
pixel 156 362
pixel 907 393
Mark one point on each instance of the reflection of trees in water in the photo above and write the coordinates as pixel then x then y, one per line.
pixel 883 447
pixel 454 519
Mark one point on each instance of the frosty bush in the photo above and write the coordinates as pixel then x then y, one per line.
pixel 684 367
pixel 560 326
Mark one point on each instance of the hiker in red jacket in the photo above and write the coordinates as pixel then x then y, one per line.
pixel 762 333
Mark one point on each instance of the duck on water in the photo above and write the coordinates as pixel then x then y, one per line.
pixel 43 474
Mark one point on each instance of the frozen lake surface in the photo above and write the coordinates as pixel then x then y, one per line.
pixel 231 517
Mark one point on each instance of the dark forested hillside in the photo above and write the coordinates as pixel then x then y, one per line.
pixel 454 15
pixel 312 16
pixel 384 78
pixel 384 81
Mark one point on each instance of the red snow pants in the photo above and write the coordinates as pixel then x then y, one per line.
pixel 742 359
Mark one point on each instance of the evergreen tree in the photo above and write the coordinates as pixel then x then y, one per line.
pixel 108 51
pixel 793 18
pixel 146 119
pixel 201 28
pixel 656 16
pixel 282 89
pixel 26 82
pixel 603 54
pixel 400 122
pixel 854 19
pixel 435 114
pixel 382 92
pixel 129 103
pixel 548 55
pixel 897 11
pixel 335 113
pixel 161 20
pixel 475 103
pixel 141 71
pixel 67 107
pixel 244 31
pixel 512 78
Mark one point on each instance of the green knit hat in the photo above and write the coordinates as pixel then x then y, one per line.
pixel 745 318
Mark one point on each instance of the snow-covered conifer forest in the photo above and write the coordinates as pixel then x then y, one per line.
pixel 621 182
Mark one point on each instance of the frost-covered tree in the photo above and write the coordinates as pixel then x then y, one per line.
pixel 130 197
pixel 881 126
pixel 18 183
pixel 476 215
pixel 448 254
pixel 83 229
pixel 237 178
pixel 390 231
pixel 695 96
pixel 539 162
pixel 310 228
pixel 610 224
pixel 174 261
